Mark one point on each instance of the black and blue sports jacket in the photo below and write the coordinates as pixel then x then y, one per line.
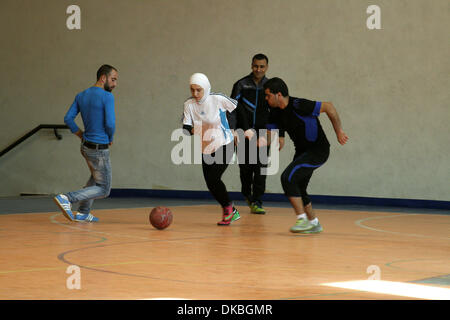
pixel 252 110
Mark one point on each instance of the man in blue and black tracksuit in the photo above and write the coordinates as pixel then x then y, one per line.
pixel 252 113
pixel 299 117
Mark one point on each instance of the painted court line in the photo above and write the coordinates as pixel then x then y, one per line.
pixel 395 288
pixel 360 224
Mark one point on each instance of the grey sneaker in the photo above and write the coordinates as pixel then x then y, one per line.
pixel 302 225
pixel 316 229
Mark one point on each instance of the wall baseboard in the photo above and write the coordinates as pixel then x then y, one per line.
pixel 279 197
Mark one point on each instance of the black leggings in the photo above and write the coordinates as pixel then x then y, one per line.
pixel 212 172
pixel 295 178
pixel 253 182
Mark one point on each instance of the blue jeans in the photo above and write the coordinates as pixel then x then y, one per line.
pixel 99 183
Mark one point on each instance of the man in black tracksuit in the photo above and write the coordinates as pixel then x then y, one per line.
pixel 252 113
pixel 299 117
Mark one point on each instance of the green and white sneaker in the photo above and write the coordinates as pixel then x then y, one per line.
pixel 236 215
pixel 257 208
pixel 303 225
pixel 230 214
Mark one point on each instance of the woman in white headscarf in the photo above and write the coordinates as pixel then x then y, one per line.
pixel 212 117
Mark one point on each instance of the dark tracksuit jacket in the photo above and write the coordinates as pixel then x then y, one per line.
pixel 252 112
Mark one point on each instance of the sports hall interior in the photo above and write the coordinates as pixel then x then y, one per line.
pixel 383 199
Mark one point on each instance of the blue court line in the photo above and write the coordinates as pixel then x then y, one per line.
pixel 440 280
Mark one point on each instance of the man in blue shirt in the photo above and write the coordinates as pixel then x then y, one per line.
pixel 96 105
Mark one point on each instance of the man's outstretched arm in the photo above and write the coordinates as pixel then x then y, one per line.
pixel 333 115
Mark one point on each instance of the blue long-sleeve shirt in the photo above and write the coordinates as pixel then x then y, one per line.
pixel 97 111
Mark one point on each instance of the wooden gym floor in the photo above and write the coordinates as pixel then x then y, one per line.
pixel 124 257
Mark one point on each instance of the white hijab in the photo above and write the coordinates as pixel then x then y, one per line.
pixel 201 80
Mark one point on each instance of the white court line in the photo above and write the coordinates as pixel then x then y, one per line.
pixel 395 288
pixel 360 224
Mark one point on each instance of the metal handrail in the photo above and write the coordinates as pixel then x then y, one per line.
pixel 32 132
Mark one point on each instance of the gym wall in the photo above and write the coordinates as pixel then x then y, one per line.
pixel 389 85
